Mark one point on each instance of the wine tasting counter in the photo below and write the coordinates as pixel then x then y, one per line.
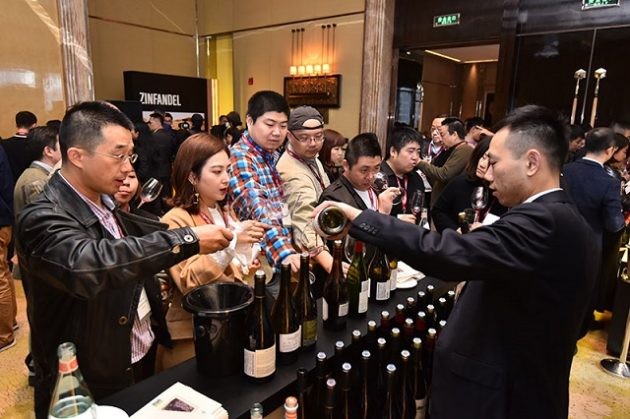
pixel 236 393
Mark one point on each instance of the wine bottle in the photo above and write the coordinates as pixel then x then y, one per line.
pixel 430 291
pixel 71 396
pixel 335 299
pixel 290 408
pixel 393 274
pixel 406 405
pixel 410 307
pixel 285 321
pixel 421 324
pixel 306 304
pixel 462 221
pixel 355 347
pixel 379 274
pixel 256 411
pixel 419 381
pixel 302 386
pixel 329 407
pixel 380 379
pixel 440 326
pixel 358 283
pixel 389 411
pixel 421 301
pixel 442 309
pixel 340 357
pixel 399 317
pixel 424 219
pixel 330 222
pixel 319 390
pixel 431 317
pixel 394 346
pixel 346 407
pixel 259 351
pixel 365 402
pixel 427 359
pixel 385 324
pixel 371 336
pixel 409 332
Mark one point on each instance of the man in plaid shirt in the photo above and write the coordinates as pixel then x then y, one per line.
pixel 255 184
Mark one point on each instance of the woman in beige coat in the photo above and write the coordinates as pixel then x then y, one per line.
pixel 200 180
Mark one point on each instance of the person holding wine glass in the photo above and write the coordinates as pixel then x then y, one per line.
pixel 456 197
pixel 255 184
pixel 452 132
pixel 354 187
pixel 403 155
pixel 201 183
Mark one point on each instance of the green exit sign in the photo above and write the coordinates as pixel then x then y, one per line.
pixel 446 20
pixel 592 4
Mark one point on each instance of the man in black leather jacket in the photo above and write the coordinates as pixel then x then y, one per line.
pixel 90 266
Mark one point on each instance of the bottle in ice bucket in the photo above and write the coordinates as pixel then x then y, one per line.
pixel 329 222
pixel 71 398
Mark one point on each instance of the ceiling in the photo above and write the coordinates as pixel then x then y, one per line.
pixel 470 54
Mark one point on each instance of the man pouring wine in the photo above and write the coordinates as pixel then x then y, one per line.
pixel 508 345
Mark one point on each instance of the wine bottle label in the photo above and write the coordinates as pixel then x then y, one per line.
pixel 363 299
pixel 343 309
pixel 260 363
pixel 68 366
pixel 324 309
pixel 382 291
pixel 393 278
pixel 309 332
pixel 420 408
pixel 289 342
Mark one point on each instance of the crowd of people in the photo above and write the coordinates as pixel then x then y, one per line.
pixel 109 274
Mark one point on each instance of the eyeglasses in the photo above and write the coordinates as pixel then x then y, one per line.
pixel 317 138
pixel 121 158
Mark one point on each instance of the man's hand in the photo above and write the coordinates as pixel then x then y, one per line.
pixel 294 261
pixel 251 231
pixel 409 218
pixel 212 238
pixel 386 199
pixel 350 212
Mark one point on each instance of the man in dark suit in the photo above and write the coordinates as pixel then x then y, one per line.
pixel 596 194
pixel 16 147
pixel 506 351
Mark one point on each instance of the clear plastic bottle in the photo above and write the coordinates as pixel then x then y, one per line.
pixel 71 397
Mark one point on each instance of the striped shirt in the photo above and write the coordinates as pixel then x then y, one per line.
pixel 141 333
pixel 257 193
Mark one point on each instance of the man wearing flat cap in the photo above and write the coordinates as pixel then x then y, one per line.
pixel 304 178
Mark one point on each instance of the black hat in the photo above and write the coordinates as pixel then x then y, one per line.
pixel 305 117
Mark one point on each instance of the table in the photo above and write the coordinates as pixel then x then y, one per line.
pixel 236 393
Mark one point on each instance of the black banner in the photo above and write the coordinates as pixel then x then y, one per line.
pixel 174 94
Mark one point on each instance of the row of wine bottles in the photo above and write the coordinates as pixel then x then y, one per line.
pixel 362 381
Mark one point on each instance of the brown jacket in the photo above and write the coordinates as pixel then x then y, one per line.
pixel 439 177
pixel 190 273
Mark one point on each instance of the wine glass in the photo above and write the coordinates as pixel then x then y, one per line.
pixel 303 243
pixel 150 191
pixel 479 200
pixel 264 211
pixel 348 248
pixel 380 184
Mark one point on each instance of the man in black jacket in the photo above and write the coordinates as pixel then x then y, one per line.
pixel 90 267
pixel 506 351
